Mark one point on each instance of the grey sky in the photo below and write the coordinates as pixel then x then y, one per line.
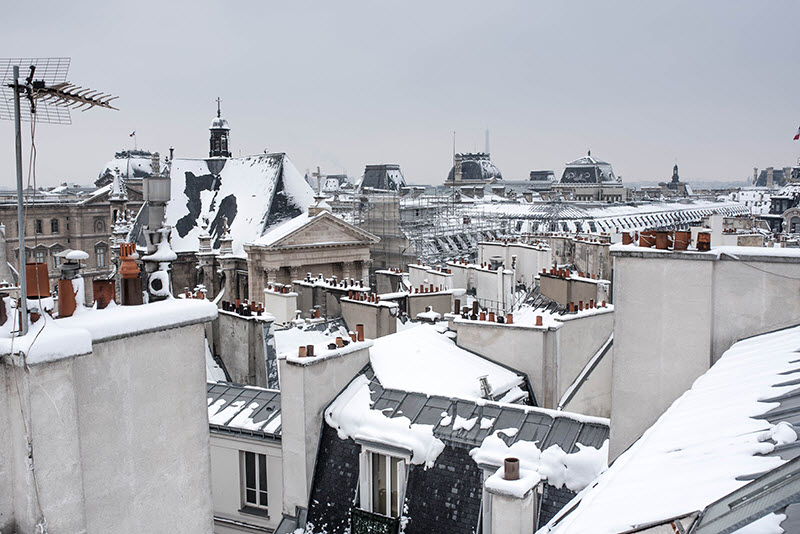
pixel 343 84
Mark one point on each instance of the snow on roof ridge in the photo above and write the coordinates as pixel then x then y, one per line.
pixel 730 398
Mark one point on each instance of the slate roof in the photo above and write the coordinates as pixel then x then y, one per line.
pixel 741 414
pixel 244 410
pixel 253 193
pixel 384 176
pixel 447 497
pixel 770 493
pixel 476 167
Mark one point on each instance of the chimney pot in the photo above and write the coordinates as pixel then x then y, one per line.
pixel 360 332
pixel 539 320
pixel 511 469
pixel 301 352
pixel 339 342
pixel 310 350
pixel 509 318
pixel 483 316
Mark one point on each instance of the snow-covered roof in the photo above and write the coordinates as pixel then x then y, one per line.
pixel 218 123
pixel 253 193
pixel 736 422
pixel 244 410
pixel 279 231
pixel 426 359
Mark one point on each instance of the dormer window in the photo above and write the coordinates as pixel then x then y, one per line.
pixel 382 480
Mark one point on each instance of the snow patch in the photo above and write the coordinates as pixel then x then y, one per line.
pixel 352 417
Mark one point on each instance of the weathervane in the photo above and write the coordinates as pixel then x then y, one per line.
pixel 50 97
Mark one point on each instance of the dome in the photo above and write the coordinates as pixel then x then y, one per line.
pixel 588 170
pixel 219 124
pixel 476 167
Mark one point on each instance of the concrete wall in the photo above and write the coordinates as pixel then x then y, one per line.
pixel 227 481
pixel 551 356
pixel 566 290
pixel 387 281
pixel 239 342
pixel 425 275
pixel 440 302
pixel 306 389
pixel 119 442
pixel 378 319
pixel 676 314
pixel 282 306
pixel 530 259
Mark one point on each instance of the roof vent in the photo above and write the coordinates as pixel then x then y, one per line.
pixel 486 388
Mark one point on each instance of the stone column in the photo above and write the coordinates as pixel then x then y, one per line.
pixel 272 275
pixel 229 270
pixel 295 273
pixel 365 271
pixel 348 267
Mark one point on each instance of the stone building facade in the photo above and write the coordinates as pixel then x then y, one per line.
pixel 55 225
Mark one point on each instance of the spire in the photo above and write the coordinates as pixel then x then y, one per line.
pixel 118 191
pixel 219 111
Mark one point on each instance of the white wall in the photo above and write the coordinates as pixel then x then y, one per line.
pixel 676 313
pixel 282 306
pixel 120 437
pixel 306 389
pixel 227 481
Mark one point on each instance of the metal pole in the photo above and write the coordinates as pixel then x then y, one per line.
pixel 23 284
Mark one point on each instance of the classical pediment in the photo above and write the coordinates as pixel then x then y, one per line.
pixel 323 230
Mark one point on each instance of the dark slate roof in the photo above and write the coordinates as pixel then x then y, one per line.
pixel 447 497
pixel 385 176
pixel 778 178
pixel 476 167
pixel 230 406
pixel 770 493
pixel 588 170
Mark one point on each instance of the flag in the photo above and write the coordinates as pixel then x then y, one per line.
pixel 133 134
pixel 797 135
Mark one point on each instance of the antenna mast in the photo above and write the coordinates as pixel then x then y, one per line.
pixel 50 97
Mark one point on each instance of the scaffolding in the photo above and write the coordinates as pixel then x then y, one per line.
pixel 412 224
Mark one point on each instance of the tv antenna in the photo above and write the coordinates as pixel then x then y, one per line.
pixel 49 96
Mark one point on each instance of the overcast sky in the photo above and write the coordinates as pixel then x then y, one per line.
pixel 711 85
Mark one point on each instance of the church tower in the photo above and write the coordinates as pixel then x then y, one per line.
pixel 219 136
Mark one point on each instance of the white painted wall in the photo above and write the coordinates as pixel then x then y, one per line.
pixel 551 356
pixel 676 313
pixel 282 306
pixel 120 444
pixel 305 392
pixel 227 480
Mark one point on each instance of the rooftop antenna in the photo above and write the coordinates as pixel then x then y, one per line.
pixel 50 97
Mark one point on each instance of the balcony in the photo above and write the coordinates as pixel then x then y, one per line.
pixel 363 522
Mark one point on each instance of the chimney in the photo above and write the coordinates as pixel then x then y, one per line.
pixel 511 469
pixel 131 283
pixel 770 177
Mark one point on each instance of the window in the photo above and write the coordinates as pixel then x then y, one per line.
pixel 100 252
pixel 39 254
pixel 53 226
pixel 37 226
pixel 383 482
pixel 254 487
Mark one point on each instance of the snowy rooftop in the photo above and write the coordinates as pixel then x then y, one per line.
pixel 426 359
pixel 247 410
pixel 253 193
pixel 52 339
pixel 736 422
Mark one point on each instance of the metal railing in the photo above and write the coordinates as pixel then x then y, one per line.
pixel 363 522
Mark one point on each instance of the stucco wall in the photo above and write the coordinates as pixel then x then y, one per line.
pixel 378 319
pixel 440 302
pixel 305 391
pixel 226 480
pixel 120 445
pixel 240 345
pixel 552 357
pixel 676 314
pixel 280 305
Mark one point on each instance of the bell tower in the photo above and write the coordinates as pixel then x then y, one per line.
pixel 220 131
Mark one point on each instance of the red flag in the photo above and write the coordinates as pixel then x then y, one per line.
pixel 797 135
